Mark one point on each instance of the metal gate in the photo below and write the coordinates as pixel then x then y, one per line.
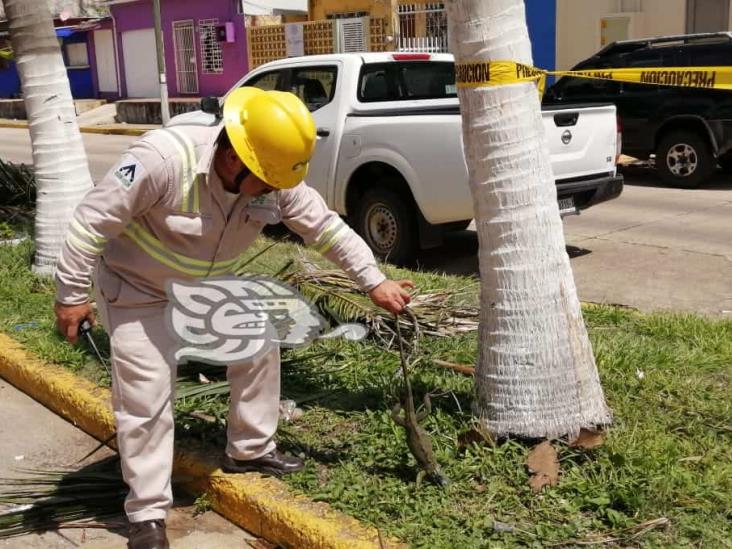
pixel 423 27
pixel 184 44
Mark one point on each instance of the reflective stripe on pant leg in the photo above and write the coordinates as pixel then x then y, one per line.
pixel 254 406
pixel 142 398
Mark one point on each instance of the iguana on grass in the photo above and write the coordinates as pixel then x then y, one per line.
pixel 418 440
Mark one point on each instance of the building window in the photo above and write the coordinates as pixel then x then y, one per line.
pixel 6 53
pixel 347 15
pixel 77 55
pixel 212 60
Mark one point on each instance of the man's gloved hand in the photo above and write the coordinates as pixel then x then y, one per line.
pixel 392 295
pixel 69 317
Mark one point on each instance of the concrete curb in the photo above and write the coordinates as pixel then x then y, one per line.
pixel 105 130
pixel 266 507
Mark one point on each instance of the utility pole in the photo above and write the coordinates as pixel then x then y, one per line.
pixel 164 108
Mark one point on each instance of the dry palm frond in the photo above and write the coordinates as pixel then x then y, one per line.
pixel 47 500
pixel 340 300
pixel 17 193
pixel 17 186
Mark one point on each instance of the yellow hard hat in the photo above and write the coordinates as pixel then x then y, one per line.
pixel 272 132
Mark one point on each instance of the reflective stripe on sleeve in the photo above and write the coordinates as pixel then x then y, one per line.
pixel 83 239
pixel 330 236
pixel 79 244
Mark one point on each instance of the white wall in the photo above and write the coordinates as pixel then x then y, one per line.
pixel 578 24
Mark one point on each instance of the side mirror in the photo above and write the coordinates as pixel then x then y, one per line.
pixel 210 105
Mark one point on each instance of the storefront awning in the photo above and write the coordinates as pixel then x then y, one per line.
pixel 65 32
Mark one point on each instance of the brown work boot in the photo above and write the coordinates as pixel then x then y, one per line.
pixel 149 534
pixel 274 463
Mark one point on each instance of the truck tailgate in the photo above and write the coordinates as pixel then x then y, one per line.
pixel 582 139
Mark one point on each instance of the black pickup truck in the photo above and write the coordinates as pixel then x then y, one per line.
pixel 687 130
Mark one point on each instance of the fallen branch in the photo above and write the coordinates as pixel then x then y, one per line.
pixel 461 368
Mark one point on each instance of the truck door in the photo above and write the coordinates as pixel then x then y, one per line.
pixel 316 86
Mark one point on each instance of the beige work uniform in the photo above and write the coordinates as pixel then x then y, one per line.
pixel 162 214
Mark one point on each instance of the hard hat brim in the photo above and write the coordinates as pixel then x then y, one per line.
pixel 235 109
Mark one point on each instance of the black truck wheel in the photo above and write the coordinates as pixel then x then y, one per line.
pixel 385 219
pixel 684 159
pixel 725 162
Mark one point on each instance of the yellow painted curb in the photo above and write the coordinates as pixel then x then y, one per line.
pixel 113 131
pixel 12 124
pixel 83 129
pixel 264 506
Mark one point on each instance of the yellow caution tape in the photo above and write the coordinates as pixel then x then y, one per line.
pixel 497 73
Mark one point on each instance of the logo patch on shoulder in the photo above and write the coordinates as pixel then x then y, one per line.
pixel 128 171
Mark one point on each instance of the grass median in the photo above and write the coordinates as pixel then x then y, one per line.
pixel 663 477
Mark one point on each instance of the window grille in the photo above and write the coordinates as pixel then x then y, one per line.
pixel 423 27
pixel 212 60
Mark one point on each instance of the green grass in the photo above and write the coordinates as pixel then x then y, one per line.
pixel 668 455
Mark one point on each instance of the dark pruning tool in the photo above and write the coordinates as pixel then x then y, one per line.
pixel 85 329
pixel 418 440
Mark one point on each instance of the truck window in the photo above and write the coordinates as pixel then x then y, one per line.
pixel 584 89
pixel 314 85
pixel 406 80
pixel 427 81
pixel 705 55
pixel 267 81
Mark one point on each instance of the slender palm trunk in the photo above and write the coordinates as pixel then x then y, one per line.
pixel 536 374
pixel 59 159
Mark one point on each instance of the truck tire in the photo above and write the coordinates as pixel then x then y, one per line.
pixel 385 220
pixel 684 159
pixel 725 162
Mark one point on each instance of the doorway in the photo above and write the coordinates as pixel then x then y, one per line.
pixel 707 16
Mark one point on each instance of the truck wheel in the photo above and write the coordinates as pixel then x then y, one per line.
pixel 725 162
pixel 386 222
pixel 684 159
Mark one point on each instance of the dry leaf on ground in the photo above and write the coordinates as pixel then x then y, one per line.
pixel 588 440
pixel 475 434
pixel 543 464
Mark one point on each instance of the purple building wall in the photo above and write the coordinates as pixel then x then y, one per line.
pixel 138 15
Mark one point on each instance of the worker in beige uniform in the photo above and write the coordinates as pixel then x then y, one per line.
pixel 185 203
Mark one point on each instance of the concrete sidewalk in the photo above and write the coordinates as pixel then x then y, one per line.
pixel 48 441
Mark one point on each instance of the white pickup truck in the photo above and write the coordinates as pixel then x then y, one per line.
pixel 390 158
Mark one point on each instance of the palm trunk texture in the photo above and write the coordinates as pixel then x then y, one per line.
pixel 536 374
pixel 59 159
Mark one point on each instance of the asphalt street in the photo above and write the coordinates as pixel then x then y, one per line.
pixel 654 248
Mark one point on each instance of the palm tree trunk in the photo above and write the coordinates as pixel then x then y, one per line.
pixel 59 159
pixel 536 374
